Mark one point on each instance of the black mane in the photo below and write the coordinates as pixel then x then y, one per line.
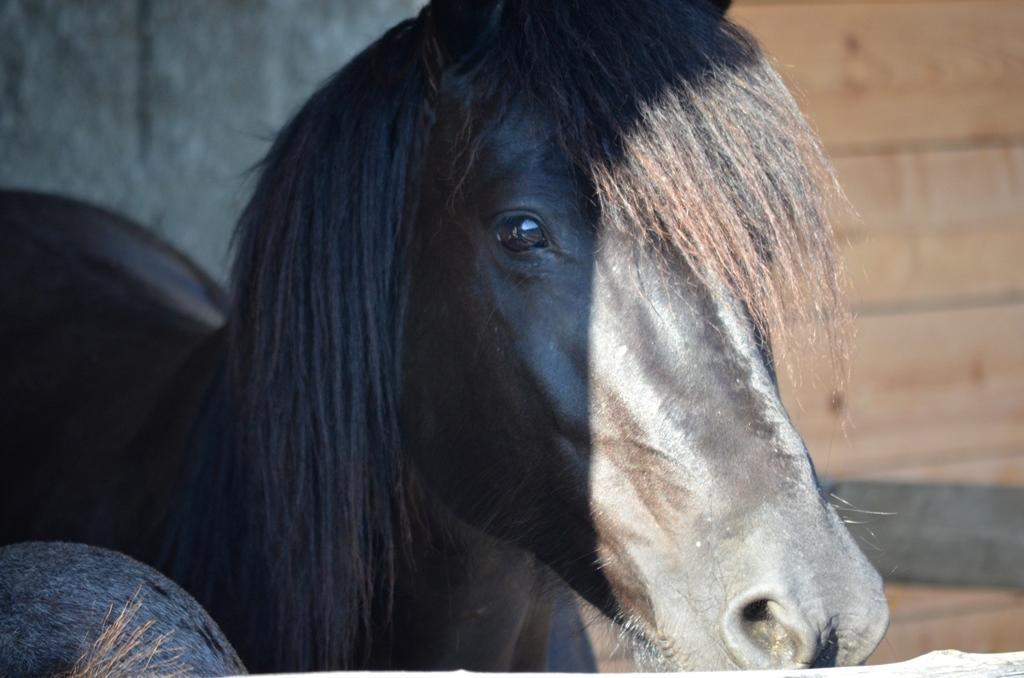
pixel 312 451
pixel 690 141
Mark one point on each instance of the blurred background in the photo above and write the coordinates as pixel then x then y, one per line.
pixel 156 109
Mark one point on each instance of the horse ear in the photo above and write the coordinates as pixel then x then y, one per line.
pixel 461 23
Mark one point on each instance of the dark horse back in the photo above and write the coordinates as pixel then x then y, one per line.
pixel 75 611
pixel 108 338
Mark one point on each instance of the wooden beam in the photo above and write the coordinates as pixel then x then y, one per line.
pixel 933 227
pixel 907 269
pixel 933 190
pixel 875 75
pixel 976 467
pixel 971 619
pixel 925 386
pixel 953 535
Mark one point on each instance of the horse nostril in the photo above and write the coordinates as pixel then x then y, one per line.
pixel 761 632
pixel 767 633
pixel 756 612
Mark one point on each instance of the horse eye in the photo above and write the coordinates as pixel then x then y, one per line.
pixel 519 233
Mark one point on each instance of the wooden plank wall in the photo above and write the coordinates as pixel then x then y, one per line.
pixel 920 104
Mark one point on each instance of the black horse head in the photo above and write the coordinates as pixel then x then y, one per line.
pixel 526 257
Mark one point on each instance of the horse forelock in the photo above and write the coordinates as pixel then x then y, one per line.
pixel 692 145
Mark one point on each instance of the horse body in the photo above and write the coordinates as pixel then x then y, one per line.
pixel 500 321
pixel 111 339
pixel 75 610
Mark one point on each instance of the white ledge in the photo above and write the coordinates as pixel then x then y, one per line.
pixel 942 663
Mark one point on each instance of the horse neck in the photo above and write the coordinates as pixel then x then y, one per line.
pixel 462 598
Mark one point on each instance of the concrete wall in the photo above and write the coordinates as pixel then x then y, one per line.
pixel 156 108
